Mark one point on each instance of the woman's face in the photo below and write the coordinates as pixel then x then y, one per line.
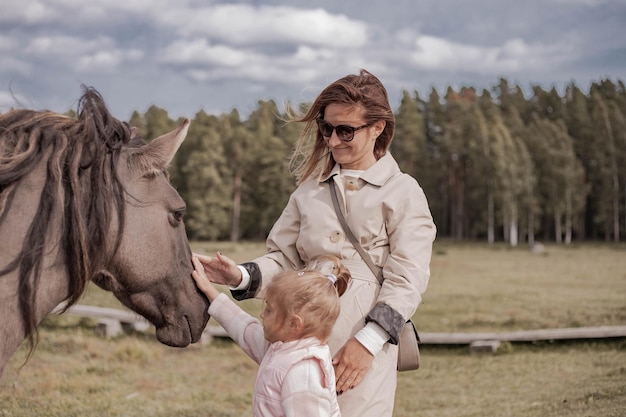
pixel 357 154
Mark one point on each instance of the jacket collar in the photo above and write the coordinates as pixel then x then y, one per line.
pixel 378 174
pixel 307 342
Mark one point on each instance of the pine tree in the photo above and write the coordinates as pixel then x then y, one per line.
pixel 514 182
pixel 268 180
pixel 580 130
pixel 409 143
pixel 207 181
pixel 607 189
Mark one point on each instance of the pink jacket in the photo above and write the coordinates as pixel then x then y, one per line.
pixel 294 379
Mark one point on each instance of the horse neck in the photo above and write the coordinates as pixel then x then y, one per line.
pixel 53 285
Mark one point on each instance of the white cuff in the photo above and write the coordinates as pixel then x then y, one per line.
pixel 245 280
pixel 373 337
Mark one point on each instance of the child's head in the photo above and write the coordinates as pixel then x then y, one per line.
pixel 306 302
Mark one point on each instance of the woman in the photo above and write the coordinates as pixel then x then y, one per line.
pixel 351 125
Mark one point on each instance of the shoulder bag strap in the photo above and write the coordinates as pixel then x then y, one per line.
pixel 375 269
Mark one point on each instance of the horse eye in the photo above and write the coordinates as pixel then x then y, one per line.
pixel 179 214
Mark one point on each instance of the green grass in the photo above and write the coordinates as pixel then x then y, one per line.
pixel 473 288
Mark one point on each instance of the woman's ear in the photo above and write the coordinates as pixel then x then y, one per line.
pixel 379 126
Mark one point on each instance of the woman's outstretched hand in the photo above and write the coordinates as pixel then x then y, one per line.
pixel 220 269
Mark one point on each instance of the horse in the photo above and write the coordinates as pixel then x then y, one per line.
pixel 83 199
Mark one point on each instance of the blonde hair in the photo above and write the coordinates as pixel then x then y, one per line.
pixel 310 294
pixel 363 91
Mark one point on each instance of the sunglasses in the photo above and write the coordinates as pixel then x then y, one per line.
pixel 344 133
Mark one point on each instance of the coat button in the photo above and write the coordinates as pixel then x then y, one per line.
pixel 335 237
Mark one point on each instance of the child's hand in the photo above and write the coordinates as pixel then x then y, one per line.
pixel 202 281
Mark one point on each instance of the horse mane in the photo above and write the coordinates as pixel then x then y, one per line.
pixel 81 178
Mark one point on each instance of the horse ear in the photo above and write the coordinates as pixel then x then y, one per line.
pixel 159 152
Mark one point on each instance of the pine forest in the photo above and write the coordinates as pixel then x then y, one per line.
pixel 496 165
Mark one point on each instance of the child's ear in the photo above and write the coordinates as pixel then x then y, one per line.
pixel 296 323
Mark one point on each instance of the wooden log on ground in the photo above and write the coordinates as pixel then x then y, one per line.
pixel 111 321
pixel 570 333
pixel 484 346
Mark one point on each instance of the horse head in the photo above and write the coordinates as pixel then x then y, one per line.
pixel 150 273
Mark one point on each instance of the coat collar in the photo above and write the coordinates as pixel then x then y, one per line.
pixel 378 174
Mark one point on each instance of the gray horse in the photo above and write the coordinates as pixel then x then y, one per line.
pixel 85 199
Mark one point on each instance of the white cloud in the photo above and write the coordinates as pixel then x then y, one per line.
pixel 62 46
pixel 513 56
pixel 240 24
pixel 77 13
pixel 202 61
pixel 106 61
pixel 85 55
pixel 307 55
pixel 243 24
pixel 200 51
pixel 28 11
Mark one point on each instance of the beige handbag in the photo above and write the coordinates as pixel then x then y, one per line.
pixel 408 348
pixel 408 344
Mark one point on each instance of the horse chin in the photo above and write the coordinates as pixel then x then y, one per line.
pixel 176 335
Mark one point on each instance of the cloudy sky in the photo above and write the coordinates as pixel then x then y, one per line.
pixel 188 55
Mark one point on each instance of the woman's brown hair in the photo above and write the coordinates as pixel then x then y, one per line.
pixel 363 90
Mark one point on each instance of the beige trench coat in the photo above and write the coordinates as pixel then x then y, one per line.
pixel 389 214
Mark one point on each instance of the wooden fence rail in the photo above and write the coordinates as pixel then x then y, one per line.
pixel 113 321
pixel 569 333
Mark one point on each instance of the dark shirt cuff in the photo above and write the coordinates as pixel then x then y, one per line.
pixel 389 319
pixel 255 282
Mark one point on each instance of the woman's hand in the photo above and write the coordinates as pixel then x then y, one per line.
pixel 351 364
pixel 221 269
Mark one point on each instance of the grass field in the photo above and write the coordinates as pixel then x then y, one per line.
pixel 473 288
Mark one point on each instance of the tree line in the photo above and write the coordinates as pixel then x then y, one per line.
pixel 495 165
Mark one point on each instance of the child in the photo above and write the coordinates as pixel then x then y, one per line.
pixel 296 375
